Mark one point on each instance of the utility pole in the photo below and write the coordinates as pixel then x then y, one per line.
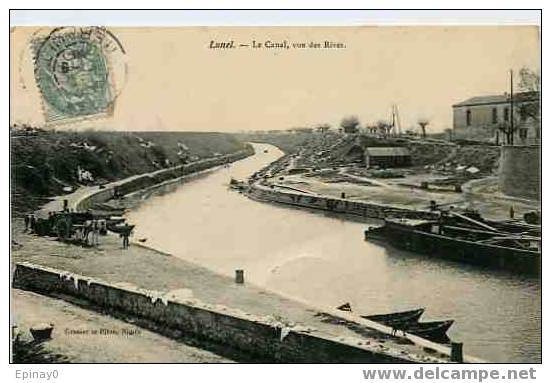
pixel 512 122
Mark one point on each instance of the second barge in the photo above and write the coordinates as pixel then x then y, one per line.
pixel 463 239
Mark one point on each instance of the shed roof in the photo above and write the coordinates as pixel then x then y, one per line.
pixel 499 99
pixel 386 151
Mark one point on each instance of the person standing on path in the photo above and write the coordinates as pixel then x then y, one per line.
pixel 125 234
pixel 27 221
pixel 95 232
pixel 32 223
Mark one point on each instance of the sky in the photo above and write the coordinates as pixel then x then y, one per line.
pixel 174 81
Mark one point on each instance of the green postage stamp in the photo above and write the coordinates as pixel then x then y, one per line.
pixel 76 69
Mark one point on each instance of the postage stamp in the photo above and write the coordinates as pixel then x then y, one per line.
pixel 77 70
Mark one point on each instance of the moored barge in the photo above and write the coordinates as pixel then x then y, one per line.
pixel 461 238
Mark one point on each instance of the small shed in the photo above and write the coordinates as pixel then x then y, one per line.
pixel 387 157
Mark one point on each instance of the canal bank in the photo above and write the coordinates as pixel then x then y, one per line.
pixel 141 283
pixel 321 258
pixel 57 269
pixel 86 197
pixel 269 338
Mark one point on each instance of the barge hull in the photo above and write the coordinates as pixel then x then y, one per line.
pixel 439 246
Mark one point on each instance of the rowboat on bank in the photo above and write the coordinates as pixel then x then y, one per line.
pixel 397 319
pixel 406 321
pixel 433 331
pixel 42 332
pixel 345 307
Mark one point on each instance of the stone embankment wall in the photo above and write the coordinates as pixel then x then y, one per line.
pixel 258 336
pixel 337 205
pixel 519 171
pixel 147 180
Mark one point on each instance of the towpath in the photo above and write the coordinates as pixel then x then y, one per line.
pixel 157 271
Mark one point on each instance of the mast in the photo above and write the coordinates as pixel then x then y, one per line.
pixel 398 120
pixel 396 127
pixel 393 121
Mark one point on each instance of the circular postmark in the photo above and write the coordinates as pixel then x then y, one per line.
pixel 79 71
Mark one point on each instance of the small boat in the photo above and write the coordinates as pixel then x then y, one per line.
pixel 345 307
pixel 397 319
pixel 433 331
pixel 42 332
pixel 120 228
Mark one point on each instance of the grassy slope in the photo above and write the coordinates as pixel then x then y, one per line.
pixel 43 162
pixel 424 152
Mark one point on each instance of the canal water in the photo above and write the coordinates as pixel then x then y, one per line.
pixel 325 260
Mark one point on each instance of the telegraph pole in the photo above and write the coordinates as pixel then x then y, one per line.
pixel 512 122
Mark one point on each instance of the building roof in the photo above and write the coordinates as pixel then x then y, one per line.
pixel 499 99
pixel 386 151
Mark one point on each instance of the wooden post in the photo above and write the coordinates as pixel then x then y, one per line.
pixel 457 352
pixel 239 276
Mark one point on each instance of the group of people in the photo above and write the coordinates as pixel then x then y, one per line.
pixel 93 227
pixel 68 224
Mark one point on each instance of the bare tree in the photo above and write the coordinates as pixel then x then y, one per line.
pixel 383 127
pixel 350 124
pixel 423 122
pixel 370 128
pixel 529 81
pixel 525 104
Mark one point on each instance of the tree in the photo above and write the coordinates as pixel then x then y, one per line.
pixel 523 103
pixel 383 127
pixel 529 81
pixel 350 124
pixel 371 129
pixel 423 122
